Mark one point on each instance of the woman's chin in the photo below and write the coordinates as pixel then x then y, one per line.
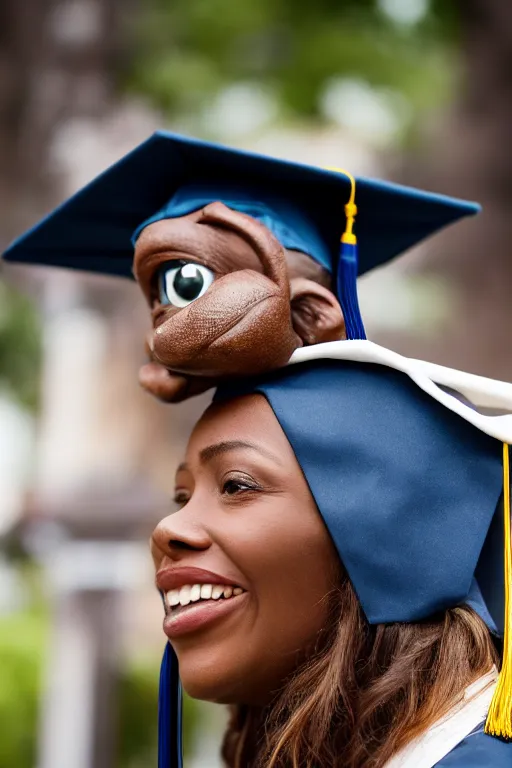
pixel 231 677
pixel 209 683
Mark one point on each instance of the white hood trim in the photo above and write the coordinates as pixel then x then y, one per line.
pixel 428 749
pixel 479 390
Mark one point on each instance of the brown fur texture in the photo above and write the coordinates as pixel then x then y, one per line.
pixel 264 303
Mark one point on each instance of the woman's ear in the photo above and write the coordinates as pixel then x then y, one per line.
pixel 316 313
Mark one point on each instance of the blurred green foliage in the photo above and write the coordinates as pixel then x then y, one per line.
pixel 22 642
pixel 23 645
pixel 138 700
pixel 20 346
pixel 189 50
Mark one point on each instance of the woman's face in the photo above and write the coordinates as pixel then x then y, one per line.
pixel 246 528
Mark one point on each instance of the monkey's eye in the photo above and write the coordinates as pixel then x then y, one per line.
pixel 183 282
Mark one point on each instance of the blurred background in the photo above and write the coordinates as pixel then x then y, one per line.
pixel 419 91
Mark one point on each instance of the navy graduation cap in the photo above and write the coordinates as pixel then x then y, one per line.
pixel 412 482
pixel 307 208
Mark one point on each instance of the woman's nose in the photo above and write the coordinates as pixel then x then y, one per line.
pixel 177 535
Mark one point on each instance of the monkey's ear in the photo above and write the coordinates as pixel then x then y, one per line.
pixel 316 313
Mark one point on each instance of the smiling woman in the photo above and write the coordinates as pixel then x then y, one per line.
pixel 330 572
pixel 247 522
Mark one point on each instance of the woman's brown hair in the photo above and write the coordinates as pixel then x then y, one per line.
pixel 365 693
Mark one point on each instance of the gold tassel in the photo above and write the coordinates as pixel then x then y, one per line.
pixel 499 719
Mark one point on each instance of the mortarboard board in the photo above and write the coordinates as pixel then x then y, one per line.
pixel 167 175
pixel 409 476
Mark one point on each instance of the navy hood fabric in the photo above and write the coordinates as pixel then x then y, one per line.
pixel 406 488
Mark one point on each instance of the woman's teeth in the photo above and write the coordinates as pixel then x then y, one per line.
pixel 192 593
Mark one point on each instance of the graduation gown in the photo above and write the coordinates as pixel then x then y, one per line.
pixel 479 751
pixel 458 739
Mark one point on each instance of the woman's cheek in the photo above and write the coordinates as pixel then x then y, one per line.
pixel 287 556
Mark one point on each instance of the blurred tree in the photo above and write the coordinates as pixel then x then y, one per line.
pixel 20 347
pixel 59 61
pixel 23 642
pixel 22 639
pixel 189 50
pixel 472 158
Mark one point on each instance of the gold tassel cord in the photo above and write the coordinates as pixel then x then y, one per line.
pixel 499 719
pixel 350 208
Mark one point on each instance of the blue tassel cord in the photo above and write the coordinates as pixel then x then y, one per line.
pixel 348 267
pixel 347 291
pixel 169 713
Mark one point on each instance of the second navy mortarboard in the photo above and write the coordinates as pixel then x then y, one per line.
pixel 307 208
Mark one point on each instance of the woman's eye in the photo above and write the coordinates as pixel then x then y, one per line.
pixel 231 487
pixel 183 282
pixel 181 498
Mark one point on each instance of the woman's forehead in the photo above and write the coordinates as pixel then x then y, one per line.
pixel 249 417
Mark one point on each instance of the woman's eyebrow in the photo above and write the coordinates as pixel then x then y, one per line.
pixel 217 449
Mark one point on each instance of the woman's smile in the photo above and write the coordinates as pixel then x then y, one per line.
pixel 194 616
pixel 194 598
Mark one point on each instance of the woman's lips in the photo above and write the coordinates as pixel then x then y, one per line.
pixel 177 576
pixel 195 616
pixel 195 598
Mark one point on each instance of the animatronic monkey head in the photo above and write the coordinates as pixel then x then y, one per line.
pixel 237 254
pixel 227 299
